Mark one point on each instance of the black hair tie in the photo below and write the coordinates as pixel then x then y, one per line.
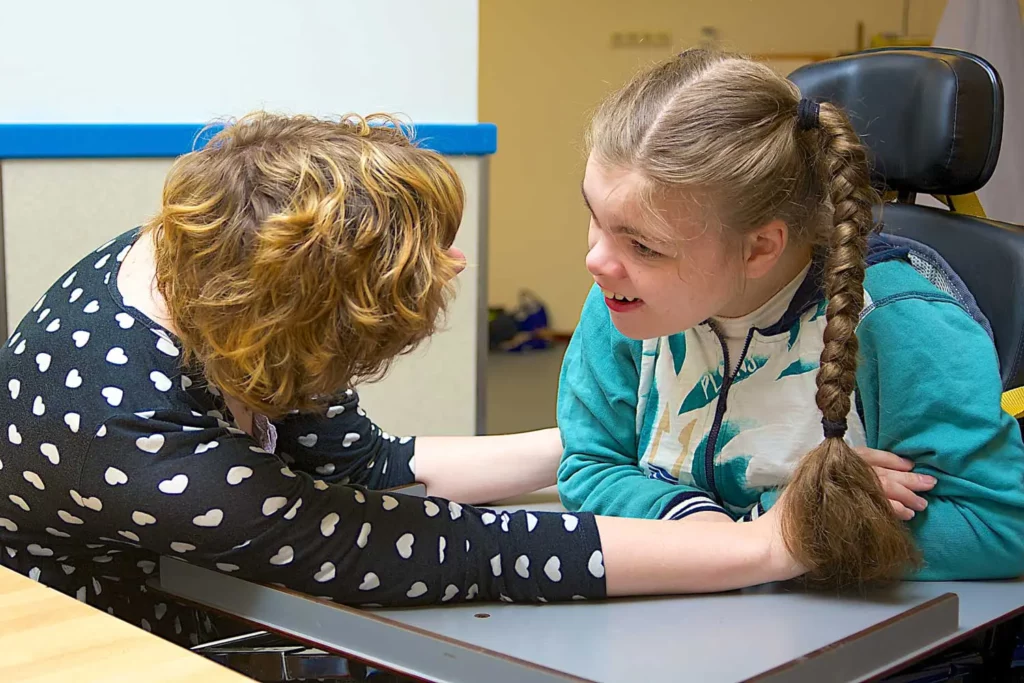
pixel 834 430
pixel 807 114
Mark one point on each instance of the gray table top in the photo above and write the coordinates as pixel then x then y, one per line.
pixel 723 637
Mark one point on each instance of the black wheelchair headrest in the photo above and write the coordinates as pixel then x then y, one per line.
pixel 932 118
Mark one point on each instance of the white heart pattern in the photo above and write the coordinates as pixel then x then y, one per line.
pixel 147 566
pixel 81 338
pixel 370 581
pixel 92 306
pixel 496 565
pixel 488 518
pixel 51 453
pixel 180 547
pixel 596 564
pixel 93 503
pixel 166 347
pixel 42 316
pixel 102 262
pixel 13 436
pixel 335 410
pixel 174 486
pixel 442 543
pixel 522 566
pixel 308 440
pixel 20 502
pixel 553 569
pixel 328 523
pixel 130 535
pixel 326 470
pixel 159 611
pixel 325 574
pixel 531 521
pixel 143 518
pixel 404 545
pixel 273 504
pixel 8 524
pixel 69 279
pixel 75 295
pixel 472 592
pixel 20 349
pixel 295 508
pixel 115 477
pixel 160 381
pixel 450 592
pixel 73 380
pixel 117 356
pixel 54 325
pixel 124 320
pixel 225 567
pixel 284 556
pixel 417 589
pixel 238 474
pixel 43 361
pixel 73 421
pixel 38 407
pixel 54 532
pixel 101 432
pixel 570 522
pixel 150 444
pixel 389 503
pixel 34 573
pixel 364 535
pixel 350 439
pixel 66 516
pixel 455 510
pixel 14 386
pixel 212 518
pixel 203 447
pixel 431 508
pixel 113 395
pixel 38 550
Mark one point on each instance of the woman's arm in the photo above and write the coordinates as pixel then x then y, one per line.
pixel 654 557
pixel 484 469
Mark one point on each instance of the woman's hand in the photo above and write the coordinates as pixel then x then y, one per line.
pixel 899 483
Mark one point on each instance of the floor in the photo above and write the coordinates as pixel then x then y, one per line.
pixel 522 390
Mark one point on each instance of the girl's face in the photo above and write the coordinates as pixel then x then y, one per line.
pixel 656 287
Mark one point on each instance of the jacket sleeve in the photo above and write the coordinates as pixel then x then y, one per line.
pixel 215 499
pixel 930 389
pixel 597 405
pixel 344 446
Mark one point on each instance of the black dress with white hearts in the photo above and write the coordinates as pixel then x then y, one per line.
pixel 111 455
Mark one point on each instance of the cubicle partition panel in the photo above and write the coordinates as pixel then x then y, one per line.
pixel 65 189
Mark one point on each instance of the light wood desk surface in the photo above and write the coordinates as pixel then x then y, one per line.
pixel 48 636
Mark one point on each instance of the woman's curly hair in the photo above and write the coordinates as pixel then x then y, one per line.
pixel 298 256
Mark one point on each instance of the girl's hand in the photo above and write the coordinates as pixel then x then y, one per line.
pixel 898 482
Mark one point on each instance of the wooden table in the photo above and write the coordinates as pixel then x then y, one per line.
pixel 48 636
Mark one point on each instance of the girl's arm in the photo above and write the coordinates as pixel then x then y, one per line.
pixel 484 469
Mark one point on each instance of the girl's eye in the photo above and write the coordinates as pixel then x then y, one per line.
pixel 644 251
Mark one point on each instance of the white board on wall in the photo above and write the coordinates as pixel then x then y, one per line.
pixel 190 61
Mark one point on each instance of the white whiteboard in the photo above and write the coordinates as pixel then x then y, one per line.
pixel 189 61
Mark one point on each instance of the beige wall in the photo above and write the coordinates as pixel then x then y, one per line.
pixel 545 63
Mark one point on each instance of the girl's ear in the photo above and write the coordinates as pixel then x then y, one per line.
pixel 763 247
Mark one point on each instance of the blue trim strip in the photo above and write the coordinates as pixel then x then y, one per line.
pixel 142 140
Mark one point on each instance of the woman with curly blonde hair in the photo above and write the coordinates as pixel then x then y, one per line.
pixel 187 390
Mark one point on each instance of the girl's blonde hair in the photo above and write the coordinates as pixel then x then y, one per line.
pixel 727 129
pixel 299 256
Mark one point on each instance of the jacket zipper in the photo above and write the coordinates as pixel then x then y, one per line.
pixel 716 426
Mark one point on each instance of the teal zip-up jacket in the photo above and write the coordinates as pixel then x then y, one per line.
pixel 655 429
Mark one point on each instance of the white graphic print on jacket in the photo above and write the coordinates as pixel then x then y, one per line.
pixel 754 427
